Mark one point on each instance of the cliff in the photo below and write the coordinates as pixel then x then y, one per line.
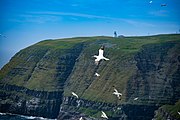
pixel 32 82
pixel 39 79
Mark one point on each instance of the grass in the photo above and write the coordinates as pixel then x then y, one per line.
pixel 173 109
pixel 39 64
pixel 96 113
pixel 115 72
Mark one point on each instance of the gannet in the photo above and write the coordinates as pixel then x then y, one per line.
pixel 80 118
pixel 100 56
pixel 136 98
pixel 96 74
pixel 179 113
pixel 117 93
pixel 75 95
pixel 119 108
pixel 103 115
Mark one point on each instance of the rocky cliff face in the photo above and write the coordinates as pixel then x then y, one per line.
pixel 34 86
pixel 114 111
pixel 152 82
pixel 39 79
pixel 157 76
pixel 21 100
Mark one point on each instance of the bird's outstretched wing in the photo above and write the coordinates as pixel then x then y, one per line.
pixel 104 115
pixel 106 58
pixel 115 90
pixel 75 95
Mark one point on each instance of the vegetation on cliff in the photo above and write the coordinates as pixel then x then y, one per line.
pixel 171 112
pixel 144 67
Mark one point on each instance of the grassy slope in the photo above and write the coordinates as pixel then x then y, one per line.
pixel 170 109
pixel 173 109
pixel 35 66
pixel 113 73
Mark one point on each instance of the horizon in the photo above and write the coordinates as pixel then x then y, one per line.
pixel 24 23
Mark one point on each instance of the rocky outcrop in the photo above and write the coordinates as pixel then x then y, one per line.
pixel 120 111
pixel 21 100
pixel 75 107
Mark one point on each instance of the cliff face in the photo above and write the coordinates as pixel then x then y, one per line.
pixel 21 100
pixel 151 74
pixel 157 77
pixel 114 111
pixel 32 82
pixel 39 79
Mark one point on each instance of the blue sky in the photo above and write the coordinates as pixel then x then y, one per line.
pixel 25 22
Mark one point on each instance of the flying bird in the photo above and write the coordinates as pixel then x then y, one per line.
pixel 96 74
pixel 119 108
pixel 74 94
pixel 136 98
pixel 162 5
pixel 80 118
pixel 179 113
pixel 103 115
pixel 100 56
pixel 117 94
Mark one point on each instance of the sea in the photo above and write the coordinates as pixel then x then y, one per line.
pixel 10 116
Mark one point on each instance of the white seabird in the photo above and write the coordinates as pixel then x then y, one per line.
pixel 96 74
pixel 80 118
pixel 74 94
pixel 179 113
pixel 117 93
pixel 119 108
pixel 103 115
pixel 150 2
pixel 100 56
pixel 136 98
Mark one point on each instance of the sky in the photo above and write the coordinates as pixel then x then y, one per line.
pixel 26 22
